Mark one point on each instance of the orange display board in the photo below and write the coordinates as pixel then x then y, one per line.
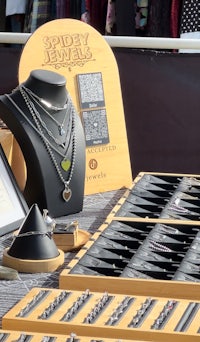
pixel 81 54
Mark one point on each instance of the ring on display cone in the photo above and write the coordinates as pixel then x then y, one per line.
pixel 33 248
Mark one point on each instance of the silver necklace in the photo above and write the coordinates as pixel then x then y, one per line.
pixel 67 192
pixel 60 126
pixel 62 154
pixel 46 103
pixel 29 103
pixel 65 163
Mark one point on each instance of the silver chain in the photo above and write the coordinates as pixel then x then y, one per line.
pixel 63 155
pixel 45 102
pixel 29 104
pixel 35 98
pixel 38 129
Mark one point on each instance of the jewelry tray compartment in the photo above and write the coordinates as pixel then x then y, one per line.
pixel 163 196
pixel 127 247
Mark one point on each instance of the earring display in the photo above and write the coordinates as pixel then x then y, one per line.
pixel 17 336
pixel 115 315
pixel 142 313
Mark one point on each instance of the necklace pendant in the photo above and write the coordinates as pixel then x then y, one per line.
pixel 67 194
pixel 61 130
pixel 65 164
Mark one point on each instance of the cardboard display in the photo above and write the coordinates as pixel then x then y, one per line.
pixel 77 51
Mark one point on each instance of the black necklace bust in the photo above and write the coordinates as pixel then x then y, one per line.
pixel 43 119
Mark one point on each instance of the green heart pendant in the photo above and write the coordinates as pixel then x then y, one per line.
pixel 65 164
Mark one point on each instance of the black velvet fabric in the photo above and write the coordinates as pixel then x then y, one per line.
pixel 161 103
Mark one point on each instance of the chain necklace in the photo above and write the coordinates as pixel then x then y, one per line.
pixel 65 164
pixel 62 154
pixel 46 103
pixel 60 126
pixel 30 103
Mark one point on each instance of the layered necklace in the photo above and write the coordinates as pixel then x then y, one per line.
pixel 58 146
pixel 42 103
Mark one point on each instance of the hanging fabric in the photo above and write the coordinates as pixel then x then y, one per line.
pixel 158 24
pixel 190 22
pixel 175 18
pixel 110 28
pixel 125 18
pixel 75 9
pixel 3 15
pixel 61 9
pixel 37 13
pixel 53 9
pixel 84 12
pixel 98 12
pixel 141 17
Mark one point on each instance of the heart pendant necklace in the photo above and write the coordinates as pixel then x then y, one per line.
pixel 65 164
pixel 67 193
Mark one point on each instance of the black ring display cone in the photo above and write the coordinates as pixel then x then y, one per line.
pixel 34 244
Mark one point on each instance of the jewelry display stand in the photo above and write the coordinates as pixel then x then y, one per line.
pixel 41 116
pixel 135 310
pixel 33 248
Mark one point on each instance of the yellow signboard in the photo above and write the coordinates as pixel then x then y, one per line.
pixel 80 53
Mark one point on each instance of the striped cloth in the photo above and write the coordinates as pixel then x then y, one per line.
pixel 37 13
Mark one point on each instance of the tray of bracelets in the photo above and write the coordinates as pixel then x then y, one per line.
pixel 19 336
pixel 151 316
pixel 161 195
pixel 152 249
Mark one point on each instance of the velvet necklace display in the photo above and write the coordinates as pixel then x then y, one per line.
pixel 61 147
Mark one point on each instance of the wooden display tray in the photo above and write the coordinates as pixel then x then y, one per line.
pixel 11 336
pixel 44 316
pixel 115 213
pixel 95 251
